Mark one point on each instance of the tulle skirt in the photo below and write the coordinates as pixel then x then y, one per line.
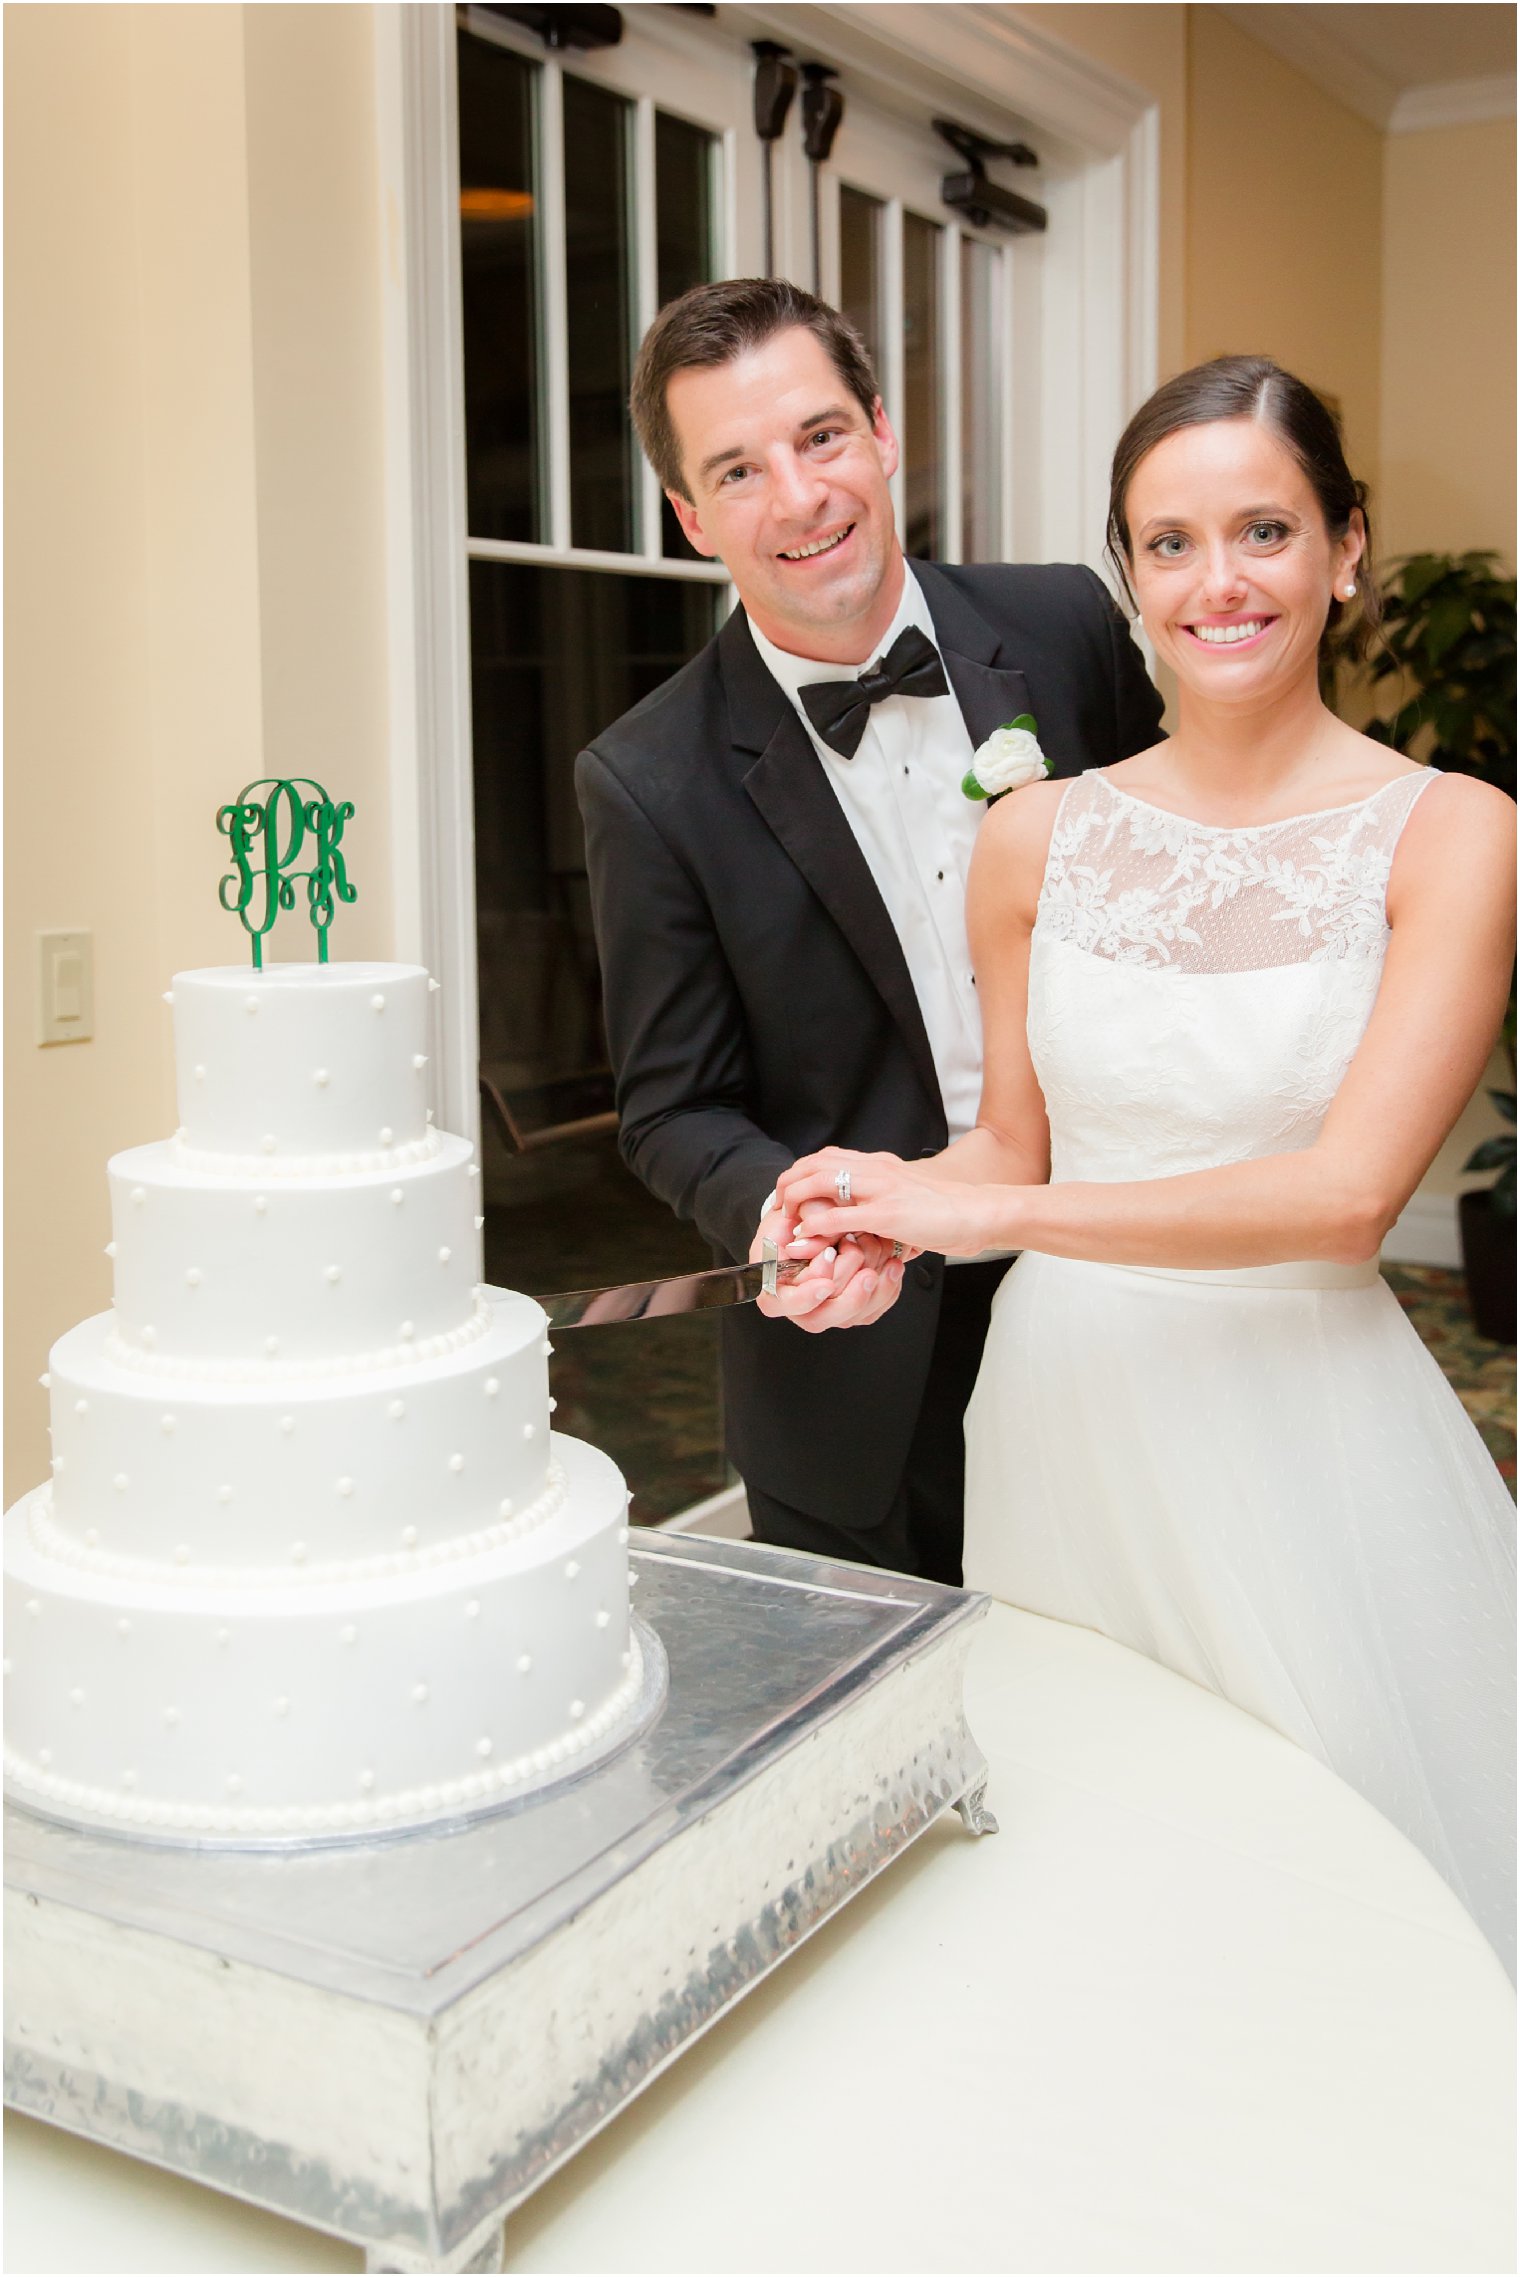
pixel 1273 1491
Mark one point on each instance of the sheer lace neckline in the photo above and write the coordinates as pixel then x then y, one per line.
pixel 1254 829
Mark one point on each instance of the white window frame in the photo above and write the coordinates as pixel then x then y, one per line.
pixel 1081 368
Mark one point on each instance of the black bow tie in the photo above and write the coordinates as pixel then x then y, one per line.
pixel 839 709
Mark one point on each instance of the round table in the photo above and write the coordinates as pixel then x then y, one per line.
pixel 1196 2007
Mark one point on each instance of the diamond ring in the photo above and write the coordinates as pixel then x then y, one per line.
pixel 842 1188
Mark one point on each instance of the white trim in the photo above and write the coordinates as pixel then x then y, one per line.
pixel 986 58
pixel 889 241
pixel 1426 1233
pixel 723 1517
pixel 431 820
pixel 1454 102
pixel 1296 37
pixel 551 254
pixel 594 557
pixel 951 441
pixel 646 285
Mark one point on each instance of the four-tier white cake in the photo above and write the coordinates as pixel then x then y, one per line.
pixel 311 1562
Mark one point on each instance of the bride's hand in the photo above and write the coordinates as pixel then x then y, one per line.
pixel 897 1201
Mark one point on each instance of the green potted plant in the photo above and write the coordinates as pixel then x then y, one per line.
pixel 1448 648
pixel 1448 641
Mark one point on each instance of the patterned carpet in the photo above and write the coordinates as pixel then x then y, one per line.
pixel 1481 1374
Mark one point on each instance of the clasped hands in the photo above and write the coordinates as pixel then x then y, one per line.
pixel 857 1250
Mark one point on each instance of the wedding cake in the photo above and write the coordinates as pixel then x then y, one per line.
pixel 311 1562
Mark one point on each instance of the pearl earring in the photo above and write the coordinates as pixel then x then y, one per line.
pixel 1351 591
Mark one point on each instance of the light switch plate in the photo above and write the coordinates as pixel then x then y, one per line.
pixel 66 988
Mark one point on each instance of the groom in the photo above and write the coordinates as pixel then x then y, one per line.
pixel 778 845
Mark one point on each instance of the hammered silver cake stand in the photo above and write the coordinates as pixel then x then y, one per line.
pixel 397 2042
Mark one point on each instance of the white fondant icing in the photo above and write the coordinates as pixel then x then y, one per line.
pixel 245 1295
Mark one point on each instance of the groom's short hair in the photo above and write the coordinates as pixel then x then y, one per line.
pixel 711 325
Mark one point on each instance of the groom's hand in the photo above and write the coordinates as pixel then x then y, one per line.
pixel 844 1287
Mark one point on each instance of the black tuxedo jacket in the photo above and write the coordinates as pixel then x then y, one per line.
pixel 757 999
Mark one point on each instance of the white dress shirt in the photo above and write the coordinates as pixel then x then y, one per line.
pixel 902 797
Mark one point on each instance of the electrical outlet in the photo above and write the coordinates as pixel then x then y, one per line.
pixel 66 988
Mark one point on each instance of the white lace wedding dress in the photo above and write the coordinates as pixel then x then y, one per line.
pixel 1258 1476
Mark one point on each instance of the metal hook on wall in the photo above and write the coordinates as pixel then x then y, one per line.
pixel 775 85
pixel 822 110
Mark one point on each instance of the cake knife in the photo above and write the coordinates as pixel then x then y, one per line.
pixel 681 1292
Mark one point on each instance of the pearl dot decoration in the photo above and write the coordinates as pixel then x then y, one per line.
pixel 333 1275
pixel 46 1381
pixel 397 1196
pixel 182 1553
pixel 81 1407
pixel 168 996
pixel 34 1606
pixel 408 1537
pixel 367 1782
pixel 577 1710
pixel 377 1004
pixel 129 1778
pixel 320 1078
pixel 387 1135
pixel 123 1627
pixel 287 1424
pixel 492 1386
pixel 530 1430
pixel 420 1694
pixel 250 1004
pixel 572 1568
pixel 504 1507
pixel 298 1553
pixel 419 1061
pixel 171 1716
pixel 456 1463
pixel 348 1634
pixel 444 1255
pixel 603 1617
pixel 345 1487
pixel 234 1783
pixel 121 1482
pixel 224 1636
pixel 282 1706
pixel 200 1074
pixel 271 1346
pixel 110 1249
pixel 553 1404
pixel 268 1143
pixel 224 1492
pixel 524 1663
pixel 408 1331
pixel 166 1425
pixel 472 1609
pixel 395 1409
pixel 261 1205
pixel 483 1747
pixel 192 1277
pixel 76 1697
pixel 479 1222
pixel 138 1196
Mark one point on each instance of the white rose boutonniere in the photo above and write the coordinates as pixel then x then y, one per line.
pixel 1010 758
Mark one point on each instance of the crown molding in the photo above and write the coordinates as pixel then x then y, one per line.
pixel 1454 102
pixel 1292 34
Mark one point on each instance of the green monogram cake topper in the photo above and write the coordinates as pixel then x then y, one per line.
pixel 268 824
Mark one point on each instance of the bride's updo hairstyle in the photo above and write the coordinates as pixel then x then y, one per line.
pixel 1253 387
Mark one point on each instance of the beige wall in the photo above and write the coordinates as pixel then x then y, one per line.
pixel 193 515
pixel 1448 471
pixel 1284 223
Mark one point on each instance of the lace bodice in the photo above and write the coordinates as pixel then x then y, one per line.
pixel 1196 992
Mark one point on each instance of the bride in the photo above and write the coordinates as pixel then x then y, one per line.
pixel 1236 991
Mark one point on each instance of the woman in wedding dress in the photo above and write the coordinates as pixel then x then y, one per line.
pixel 1235 992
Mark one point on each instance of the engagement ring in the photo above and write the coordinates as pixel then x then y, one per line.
pixel 842 1188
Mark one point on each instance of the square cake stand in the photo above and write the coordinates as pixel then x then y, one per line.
pixel 397 2042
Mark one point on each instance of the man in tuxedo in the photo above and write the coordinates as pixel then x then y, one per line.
pixel 778 842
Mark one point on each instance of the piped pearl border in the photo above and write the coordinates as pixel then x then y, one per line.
pixel 419 1350
pixel 407 1807
pixel 52 1542
pixel 261 1166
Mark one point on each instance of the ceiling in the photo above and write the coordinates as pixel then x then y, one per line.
pixel 1402 66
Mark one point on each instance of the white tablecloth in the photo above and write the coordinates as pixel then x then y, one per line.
pixel 1196 2007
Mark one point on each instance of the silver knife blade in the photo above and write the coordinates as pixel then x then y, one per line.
pixel 680 1293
